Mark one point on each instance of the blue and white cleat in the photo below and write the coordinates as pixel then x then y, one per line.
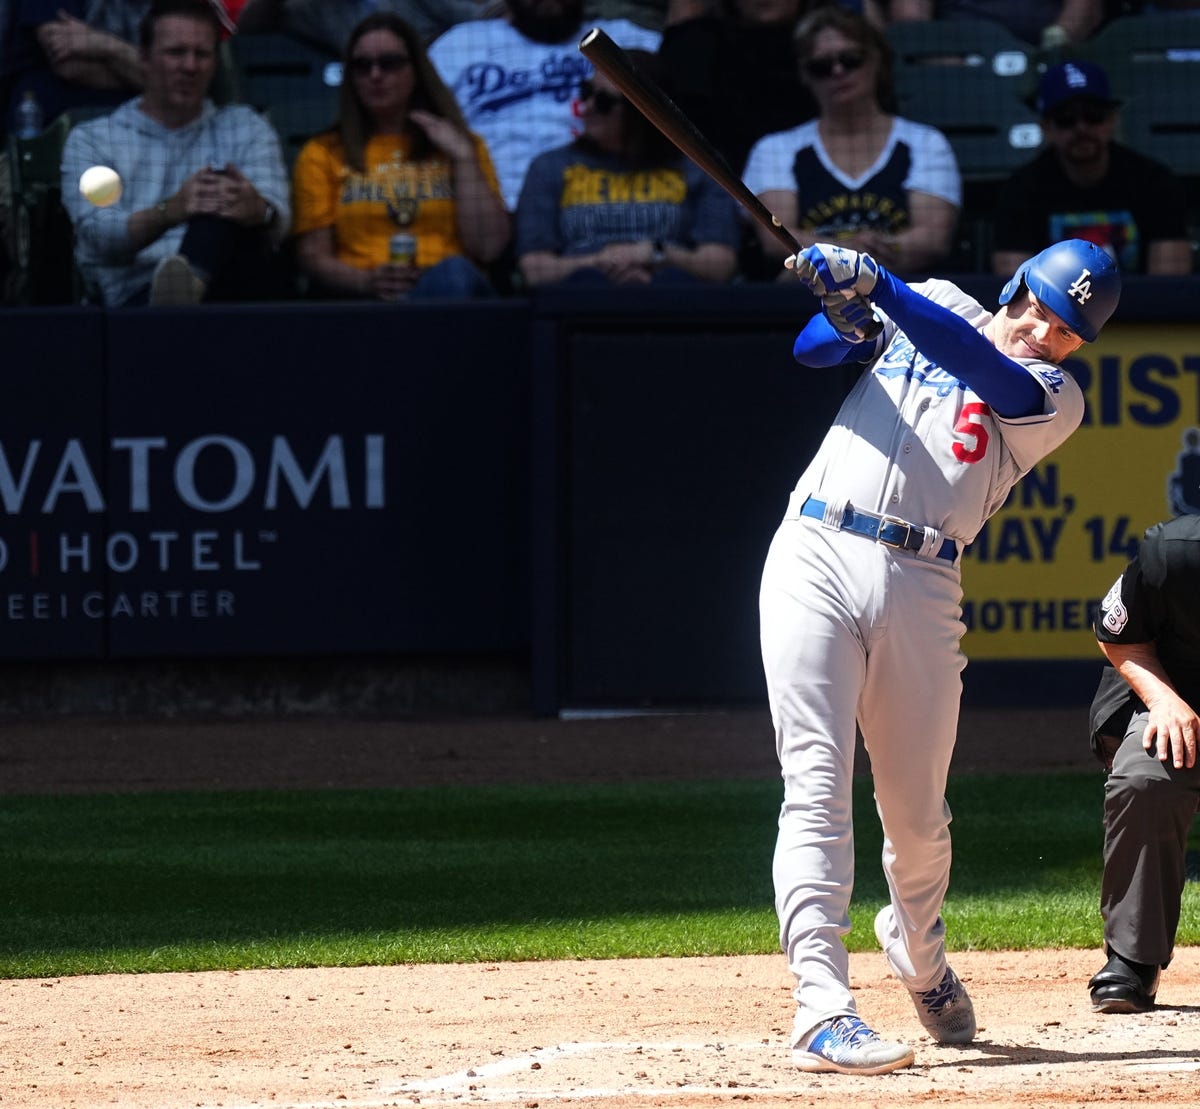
pixel 846 1045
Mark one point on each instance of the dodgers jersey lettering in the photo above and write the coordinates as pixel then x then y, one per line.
pixel 518 95
pixel 940 457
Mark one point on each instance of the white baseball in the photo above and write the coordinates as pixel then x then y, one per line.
pixel 101 185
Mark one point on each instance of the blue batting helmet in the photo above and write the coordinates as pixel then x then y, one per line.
pixel 1076 280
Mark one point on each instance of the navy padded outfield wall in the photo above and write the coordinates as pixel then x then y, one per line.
pixel 586 479
pixel 264 481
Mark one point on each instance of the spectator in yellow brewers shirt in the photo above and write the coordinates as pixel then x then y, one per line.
pixel 399 160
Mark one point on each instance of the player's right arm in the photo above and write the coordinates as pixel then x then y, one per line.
pixel 822 344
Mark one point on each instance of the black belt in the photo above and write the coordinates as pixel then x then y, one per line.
pixel 888 530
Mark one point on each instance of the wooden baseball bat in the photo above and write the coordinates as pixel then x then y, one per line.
pixel 667 116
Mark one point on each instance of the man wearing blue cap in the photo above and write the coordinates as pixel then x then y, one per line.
pixel 1085 185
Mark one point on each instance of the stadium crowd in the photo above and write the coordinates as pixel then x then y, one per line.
pixel 471 150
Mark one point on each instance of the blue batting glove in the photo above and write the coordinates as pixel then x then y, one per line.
pixel 827 268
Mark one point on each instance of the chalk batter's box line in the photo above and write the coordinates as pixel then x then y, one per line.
pixel 453 1087
pixel 411 1093
pixel 466 1078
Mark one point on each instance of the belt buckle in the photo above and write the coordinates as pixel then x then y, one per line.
pixel 908 530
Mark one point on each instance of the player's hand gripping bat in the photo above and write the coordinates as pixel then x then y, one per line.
pixel 666 115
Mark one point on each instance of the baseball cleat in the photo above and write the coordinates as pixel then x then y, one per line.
pixel 946 1010
pixel 847 1046
pixel 1123 986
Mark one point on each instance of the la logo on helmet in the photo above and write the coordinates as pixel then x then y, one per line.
pixel 1081 287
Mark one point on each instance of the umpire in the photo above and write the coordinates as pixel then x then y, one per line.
pixel 1144 728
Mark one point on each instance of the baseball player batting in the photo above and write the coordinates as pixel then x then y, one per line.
pixel 859 604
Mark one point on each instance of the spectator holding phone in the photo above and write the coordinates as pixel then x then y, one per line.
pixel 205 192
pixel 399 160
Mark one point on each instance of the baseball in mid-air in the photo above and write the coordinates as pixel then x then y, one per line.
pixel 101 185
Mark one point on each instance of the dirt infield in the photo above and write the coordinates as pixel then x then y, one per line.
pixel 678 1033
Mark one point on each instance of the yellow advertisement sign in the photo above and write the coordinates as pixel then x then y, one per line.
pixel 1036 573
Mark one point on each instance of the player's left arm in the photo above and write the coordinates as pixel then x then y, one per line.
pixel 946 338
pixel 941 335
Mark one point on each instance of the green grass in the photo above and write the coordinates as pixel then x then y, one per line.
pixel 196 881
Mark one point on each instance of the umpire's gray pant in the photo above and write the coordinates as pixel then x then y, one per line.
pixel 1148 810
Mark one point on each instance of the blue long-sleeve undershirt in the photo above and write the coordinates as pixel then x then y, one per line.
pixel 943 337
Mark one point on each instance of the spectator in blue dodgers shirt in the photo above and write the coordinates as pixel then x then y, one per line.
pixel 206 194
pixel 1085 185
pixel 858 175
pixel 620 204
pixel 516 79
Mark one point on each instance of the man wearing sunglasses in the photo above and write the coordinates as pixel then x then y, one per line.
pixel 1086 185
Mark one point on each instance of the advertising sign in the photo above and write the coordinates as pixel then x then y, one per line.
pixel 236 482
pixel 1037 571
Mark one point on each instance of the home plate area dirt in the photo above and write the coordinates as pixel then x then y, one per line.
pixel 618 1034
pixel 622 1033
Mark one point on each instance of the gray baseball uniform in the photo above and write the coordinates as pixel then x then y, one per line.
pixel 868 632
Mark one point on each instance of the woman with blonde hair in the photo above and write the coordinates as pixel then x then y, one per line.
pixel 858 174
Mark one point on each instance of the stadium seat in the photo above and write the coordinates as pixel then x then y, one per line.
pixel 293 84
pixel 1153 62
pixel 970 80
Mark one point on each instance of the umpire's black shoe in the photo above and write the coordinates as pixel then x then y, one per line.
pixel 1123 986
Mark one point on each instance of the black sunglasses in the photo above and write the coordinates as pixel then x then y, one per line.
pixel 1092 116
pixel 822 67
pixel 602 102
pixel 362 65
